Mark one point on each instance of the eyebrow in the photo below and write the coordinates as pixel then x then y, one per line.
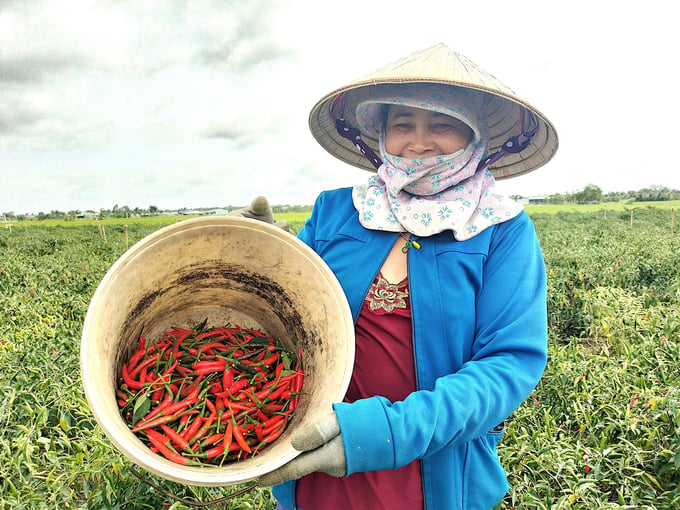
pixel 403 114
pixel 408 114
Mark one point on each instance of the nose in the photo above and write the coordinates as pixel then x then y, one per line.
pixel 421 142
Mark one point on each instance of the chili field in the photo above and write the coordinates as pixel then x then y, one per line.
pixel 601 430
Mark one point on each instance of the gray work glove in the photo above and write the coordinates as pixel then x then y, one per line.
pixel 321 444
pixel 260 209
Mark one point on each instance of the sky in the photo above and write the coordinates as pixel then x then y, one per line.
pixel 186 104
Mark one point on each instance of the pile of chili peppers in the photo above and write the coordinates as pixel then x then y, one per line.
pixel 207 396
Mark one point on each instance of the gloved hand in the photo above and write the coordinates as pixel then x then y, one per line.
pixel 323 450
pixel 260 209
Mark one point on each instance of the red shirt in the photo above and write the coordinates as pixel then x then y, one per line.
pixel 384 365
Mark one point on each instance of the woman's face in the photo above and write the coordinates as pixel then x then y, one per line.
pixel 415 133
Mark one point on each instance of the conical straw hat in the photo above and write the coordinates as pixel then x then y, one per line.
pixel 441 65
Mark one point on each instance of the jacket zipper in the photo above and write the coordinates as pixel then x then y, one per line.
pixel 415 364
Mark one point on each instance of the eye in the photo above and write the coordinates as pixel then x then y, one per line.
pixel 446 126
pixel 402 126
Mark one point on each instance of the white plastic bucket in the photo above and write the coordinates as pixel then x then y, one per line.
pixel 230 270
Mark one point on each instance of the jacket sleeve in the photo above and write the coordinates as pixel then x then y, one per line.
pixel 506 359
pixel 308 232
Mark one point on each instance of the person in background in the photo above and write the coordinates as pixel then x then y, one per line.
pixel 446 282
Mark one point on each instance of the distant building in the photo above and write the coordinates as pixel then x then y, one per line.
pixel 537 199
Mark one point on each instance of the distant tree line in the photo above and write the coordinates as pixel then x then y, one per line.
pixel 127 212
pixel 592 194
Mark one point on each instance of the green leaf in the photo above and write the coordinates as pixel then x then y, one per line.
pixel 141 409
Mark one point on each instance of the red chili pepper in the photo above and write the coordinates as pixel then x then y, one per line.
pixel 183 421
pixel 214 452
pixel 238 385
pixel 261 416
pixel 183 371
pixel 155 422
pixel 182 335
pixel 144 364
pixel 204 429
pixel 188 390
pixel 180 406
pixel 271 359
pixel 131 383
pixel 136 358
pixel 238 436
pixel 249 394
pixel 160 381
pixel 228 378
pixel 210 334
pixel 273 395
pixel 228 435
pixel 273 421
pixel 258 431
pixel 212 439
pixel 193 428
pixel 171 410
pixel 161 442
pixel 177 439
pixel 275 425
pixel 273 435
pixel 159 408
pixel 296 387
pixel 270 407
pixel 209 369
pixel 210 363
pixel 216 387
pixel 279 371
pixel 218 346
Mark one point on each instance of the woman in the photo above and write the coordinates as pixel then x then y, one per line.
pixel 446 283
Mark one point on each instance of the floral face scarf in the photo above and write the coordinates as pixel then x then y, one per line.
pixel 431 195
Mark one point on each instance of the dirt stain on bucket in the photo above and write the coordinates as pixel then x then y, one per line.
pixel 219 275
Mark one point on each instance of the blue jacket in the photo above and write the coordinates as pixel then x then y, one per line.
pixel 480 341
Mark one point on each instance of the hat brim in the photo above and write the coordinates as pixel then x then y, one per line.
pixel 502 113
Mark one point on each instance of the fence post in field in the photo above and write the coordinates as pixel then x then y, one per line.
pixel 672 219
pixel 127 244
pixel 631 217
pixel 102 231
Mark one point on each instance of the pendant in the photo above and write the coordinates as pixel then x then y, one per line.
pixel 409 243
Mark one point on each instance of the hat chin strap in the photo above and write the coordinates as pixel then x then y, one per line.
pixel 514 144
pixel 351 133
